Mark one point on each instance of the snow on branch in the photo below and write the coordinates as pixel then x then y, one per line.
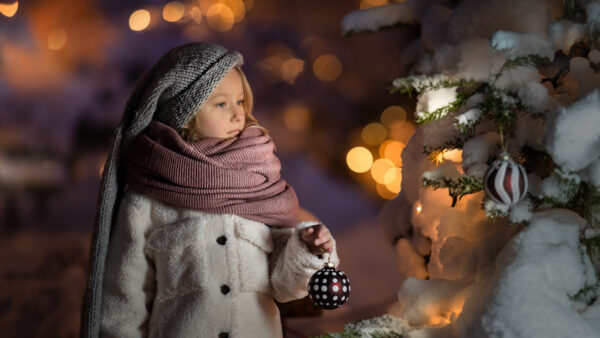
pixel 516 45
pixel 373 19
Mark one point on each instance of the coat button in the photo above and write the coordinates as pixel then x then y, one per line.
pixel 223 335
pixel 224 289
pixel 221 240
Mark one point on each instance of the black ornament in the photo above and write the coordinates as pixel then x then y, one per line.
pixel 329 287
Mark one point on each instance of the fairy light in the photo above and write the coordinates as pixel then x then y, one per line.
pixel 393 115
pixel 418 208
pixel 327 67
pixel 196 14
pixel 173 11
pixel 9 10
pixel 237 8
pixel 392 150
pixel 359 159
pixel 139 20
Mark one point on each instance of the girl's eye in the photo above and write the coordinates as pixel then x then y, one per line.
pixel 220 104
pixel 240 102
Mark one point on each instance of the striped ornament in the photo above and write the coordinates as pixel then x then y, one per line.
pixel 505 181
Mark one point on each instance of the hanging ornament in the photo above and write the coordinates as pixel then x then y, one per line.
pixel 329 287
pixel 505 181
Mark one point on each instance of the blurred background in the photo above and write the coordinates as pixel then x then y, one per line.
pixel 67 68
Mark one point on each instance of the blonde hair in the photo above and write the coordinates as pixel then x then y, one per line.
pixel 190 131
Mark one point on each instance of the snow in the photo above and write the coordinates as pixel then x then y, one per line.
pixel 372 19
pixel 476 18
pixel 477 151
pixel 515 44
pixel 594 56
pixel 521 211
pixel 535 96
pixel 585 79
pixel 513 79
pixel 592 10
pixel 432 100
pixel 564 34
pixel 573 138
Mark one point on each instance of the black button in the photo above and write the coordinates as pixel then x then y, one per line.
pixel 223 335
pixel 221 240
pixel 224 289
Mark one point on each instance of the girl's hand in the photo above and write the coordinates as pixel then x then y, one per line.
pixel 317 239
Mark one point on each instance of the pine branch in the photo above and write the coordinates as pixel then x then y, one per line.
pixel 501 108
pixel 425 117
pixel 419 83
pixel 458 188
pixel 525 60
pixel 589 291
pixel 433 153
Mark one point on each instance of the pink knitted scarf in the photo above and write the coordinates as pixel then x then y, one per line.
pixel 238 175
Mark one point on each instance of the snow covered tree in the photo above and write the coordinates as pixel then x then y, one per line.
pixel 514 78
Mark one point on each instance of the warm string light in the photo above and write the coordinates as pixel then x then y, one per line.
pixel 9 10
pixel 385 170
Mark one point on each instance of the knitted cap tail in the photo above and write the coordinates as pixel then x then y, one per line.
pixel 172 91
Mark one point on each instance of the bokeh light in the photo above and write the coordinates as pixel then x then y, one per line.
pixel 327 67
pixel 290 69
pixel 139 20
pixel 364 4
pixel 238 9
pixel 379 171
pixel 57 39
pixel 374 133
pixel 220 17
pixel 9 10
pixel 296 117
pixel 393 115
pixel 418 207
pixel 384 192
pixel 196 14
pixel 173 11
pixel 393 177
pixel 359 159
pixel 392 150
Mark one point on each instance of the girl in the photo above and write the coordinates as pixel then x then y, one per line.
pixel 207 234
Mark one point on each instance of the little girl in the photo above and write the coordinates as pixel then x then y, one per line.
pixel 196 233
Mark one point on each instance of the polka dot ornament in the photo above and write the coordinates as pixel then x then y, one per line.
pixel 505 181
pixel 329 288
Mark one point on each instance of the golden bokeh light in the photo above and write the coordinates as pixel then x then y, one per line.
pixel 359 159
pixel 392 150
pixel 454 155
pixel 384 192
pixel 393 115
pixel 393 177
pixel 238 9
pixel 374 133
pixel 296 117
pixel 9 10
pixel 173 11
pixel 418 208
pixel 220 17
pixel 290 69
pixel 401 131
pixel 139 20
pixel 196 14
pixel 204 5
pixel 327 67
pixel 379 171
pixel 364 4
pixel 57 39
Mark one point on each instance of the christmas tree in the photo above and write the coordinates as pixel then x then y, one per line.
pixel 496 227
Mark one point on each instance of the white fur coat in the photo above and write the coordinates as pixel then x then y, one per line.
pixel 174 272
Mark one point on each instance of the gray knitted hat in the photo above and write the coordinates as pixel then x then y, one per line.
pixel 170 92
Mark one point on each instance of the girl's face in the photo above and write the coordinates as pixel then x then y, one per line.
pixel 222 115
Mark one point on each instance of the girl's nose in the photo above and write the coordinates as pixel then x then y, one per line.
pixel 238 114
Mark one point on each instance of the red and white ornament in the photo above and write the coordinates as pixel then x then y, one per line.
pixel 329 287
pixel 505 181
